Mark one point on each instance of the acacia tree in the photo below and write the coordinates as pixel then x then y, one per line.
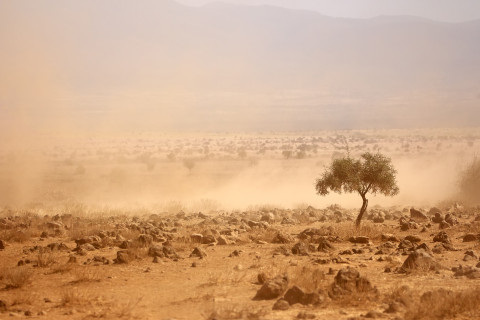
pixel 372 173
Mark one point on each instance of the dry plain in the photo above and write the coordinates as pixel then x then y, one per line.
pixel 224 226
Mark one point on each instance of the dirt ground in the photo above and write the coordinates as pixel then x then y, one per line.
pixel 229 227
pixel 86 279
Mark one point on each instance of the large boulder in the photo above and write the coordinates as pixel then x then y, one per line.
pixel 272 288
pixel 348 281
pixel 297 295
pixel 442 236
pixel 420 260
pixel 418 216
pixel 324 245
pixel 282 237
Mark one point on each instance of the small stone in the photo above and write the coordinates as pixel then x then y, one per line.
pixel 469 237
pixel 373 315
pixel 2 244
pixel 3 306
pixel 198 252
pixel 359 239
pixel 28 313
pixel 442 236
pixel 262 277
pixel 281 304
pixel 122 257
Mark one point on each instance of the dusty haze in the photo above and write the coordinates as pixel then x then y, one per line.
pixel 95 97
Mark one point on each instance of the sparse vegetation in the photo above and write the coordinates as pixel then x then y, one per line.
pixel 373 173
pixel 470 182
pixel 14 278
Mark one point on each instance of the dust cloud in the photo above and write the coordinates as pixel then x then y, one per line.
pixel 163 106
pixel 211 172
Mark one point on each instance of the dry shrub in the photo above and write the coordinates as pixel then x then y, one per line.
pixel 46 259
pixel 403 295
pixel 259 234
pixel 73 297
pixel 13 235
pixel 469 181
pixel 445 304
pixel 137 250
pixel 23 298
pixel 16 277
pixel 237 312
pixel 307 277
pixel 366 229
pixel 184 244
pixel 85 274
pixel 62 268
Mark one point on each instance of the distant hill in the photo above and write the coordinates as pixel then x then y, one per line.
pixel 161 65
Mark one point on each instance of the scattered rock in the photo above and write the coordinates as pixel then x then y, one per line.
pixel 235 253
pixel 282 237
pixel 418 216
pixel 196 237
pixel 222 241
pixel 441 247
pixel 122 257
pixel 281 304
pixel 389 237
pixel 198 252
pixel 359 239
pixel 325 245
pixel 262 277
pixel 413 238
pixel 272 288
pixel 451 219
pixel 297 295
pixel 349 281
pixel 469 237
pixel 442 236
pixel 209 239
pixel 406 224
pixel 469 272
pixel 3 306
pixel 373 315
pixel 420 260
pixel 300 248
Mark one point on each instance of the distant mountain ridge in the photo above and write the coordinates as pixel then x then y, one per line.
pixel 252 67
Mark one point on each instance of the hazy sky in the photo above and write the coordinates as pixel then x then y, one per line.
pixel 441 10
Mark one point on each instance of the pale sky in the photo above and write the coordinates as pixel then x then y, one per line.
pixel 440 10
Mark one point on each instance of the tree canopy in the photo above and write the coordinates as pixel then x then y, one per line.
pixel 372 173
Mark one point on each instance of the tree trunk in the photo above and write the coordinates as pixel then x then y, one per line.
pixel 362 211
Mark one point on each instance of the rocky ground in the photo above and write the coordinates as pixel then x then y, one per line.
pixel 403 263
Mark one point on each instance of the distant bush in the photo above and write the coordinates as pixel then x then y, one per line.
pixel 470 181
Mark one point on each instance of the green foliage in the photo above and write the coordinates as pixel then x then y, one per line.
pixel 372 173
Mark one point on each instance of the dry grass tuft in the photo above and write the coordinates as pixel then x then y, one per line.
pixel 445 304
pixel 19 236
pixel 307 277
pixel 367 229
pixel 85 274
pixel 46 259
pixel 16 277
pixel 237 312
pixel 73 297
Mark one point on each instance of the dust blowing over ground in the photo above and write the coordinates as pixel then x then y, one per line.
pixel 98 102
